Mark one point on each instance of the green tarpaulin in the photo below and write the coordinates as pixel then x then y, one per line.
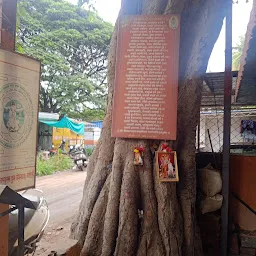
pixel 65 122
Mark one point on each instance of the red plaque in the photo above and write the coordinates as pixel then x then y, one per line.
pixel 146 83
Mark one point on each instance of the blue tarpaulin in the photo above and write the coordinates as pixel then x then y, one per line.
pixel 65 122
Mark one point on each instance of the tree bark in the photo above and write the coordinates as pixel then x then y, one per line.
pixel 108 222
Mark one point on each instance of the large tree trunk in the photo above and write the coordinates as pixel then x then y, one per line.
pixel 108 222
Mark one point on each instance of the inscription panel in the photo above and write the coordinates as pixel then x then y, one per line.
pixel 146 84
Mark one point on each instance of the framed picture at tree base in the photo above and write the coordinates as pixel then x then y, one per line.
pixel 166 166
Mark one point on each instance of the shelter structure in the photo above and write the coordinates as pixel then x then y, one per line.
pixel 45 131
pixel 242 147
pixel 245 92
pixel 243 166
pixel 65 122
pixel 52 130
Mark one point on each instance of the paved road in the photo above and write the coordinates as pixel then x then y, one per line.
pixel 63 192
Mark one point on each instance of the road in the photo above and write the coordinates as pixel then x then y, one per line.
pixel 63 192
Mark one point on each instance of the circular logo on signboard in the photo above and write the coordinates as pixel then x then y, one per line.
pixel 13 116
pixel 174 22
pixel 17 113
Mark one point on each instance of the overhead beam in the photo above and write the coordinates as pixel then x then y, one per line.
pixel 8 24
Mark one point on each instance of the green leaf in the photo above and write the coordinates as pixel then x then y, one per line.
pixel 72 45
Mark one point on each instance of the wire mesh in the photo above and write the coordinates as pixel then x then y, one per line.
pixel 242 130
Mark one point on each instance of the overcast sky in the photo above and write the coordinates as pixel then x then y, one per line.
pixel 108 10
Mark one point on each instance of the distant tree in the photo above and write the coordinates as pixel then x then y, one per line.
pixel 72 44
pixel 82 2
pixel 237 53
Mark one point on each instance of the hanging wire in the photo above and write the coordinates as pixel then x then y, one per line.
pixel 38 44
pixel 215 103
pixel 11 26
pixel 42 51
pixel 49 39
pixel 40 35
pixel 6 18
pixel 54 63
pixel 48 57
pixel 55 38
pixel 237 1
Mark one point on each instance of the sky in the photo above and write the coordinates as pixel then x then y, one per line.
pixel 108 10
pixel 241 16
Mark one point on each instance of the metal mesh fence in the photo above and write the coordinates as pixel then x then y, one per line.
pixel 210 130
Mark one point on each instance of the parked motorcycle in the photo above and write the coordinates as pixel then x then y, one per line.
pixel 77 153
pixel 54 151
pixel 35 222
pixel 80 160
pixel 75 149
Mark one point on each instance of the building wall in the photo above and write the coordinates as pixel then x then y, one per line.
pixel 44 136
pixel 66 134
pixel 91 136
pixel 215 126
pixel 97 123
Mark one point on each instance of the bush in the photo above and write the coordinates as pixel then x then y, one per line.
pixel 55 163
pixel 89 151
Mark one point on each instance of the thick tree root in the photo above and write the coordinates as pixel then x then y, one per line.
pixel 113 224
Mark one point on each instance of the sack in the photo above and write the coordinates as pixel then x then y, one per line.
pixel 211 204
pixel 210 180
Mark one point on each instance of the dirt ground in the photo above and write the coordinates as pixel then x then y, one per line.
pixel 63 192
pixel 55 239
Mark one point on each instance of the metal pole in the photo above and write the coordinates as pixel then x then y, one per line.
pixel 21 243
pixel 209 136
pixel 226 131
pixel 8 26
pixel 213 154
pixel 7 42
pixel 198 134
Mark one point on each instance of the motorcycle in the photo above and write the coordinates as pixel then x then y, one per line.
pixel 35 223
pixel 77 153
pixel 54 151
pixel 80 160
pixel 75 149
